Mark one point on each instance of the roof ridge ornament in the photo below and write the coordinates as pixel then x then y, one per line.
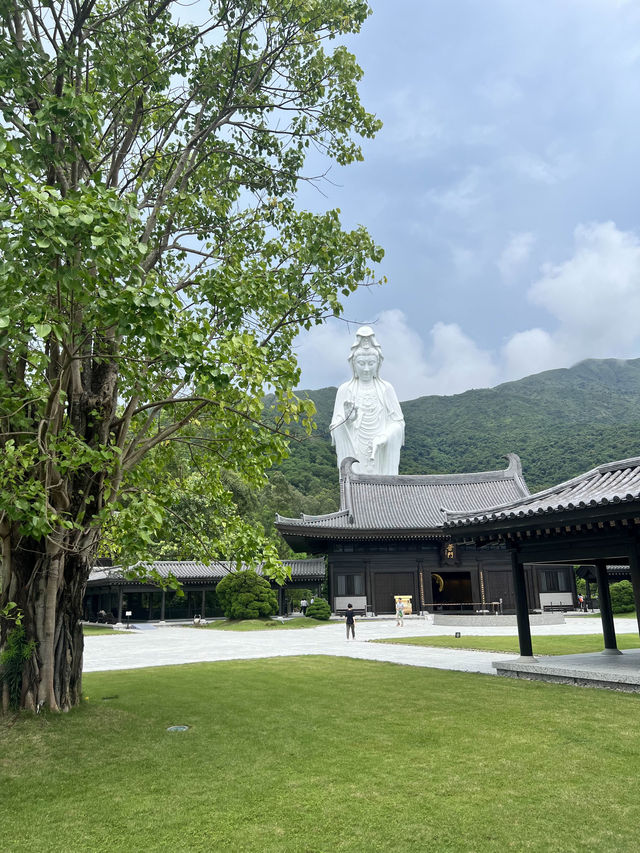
pixel 514 469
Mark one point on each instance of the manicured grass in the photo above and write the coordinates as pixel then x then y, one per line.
pixel 263 624
pixel 315 755
pixel 569 644
pixel 631 615
pixel 94 630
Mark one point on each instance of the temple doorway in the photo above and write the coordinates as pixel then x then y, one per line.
pixel 451 591
pixel 388 584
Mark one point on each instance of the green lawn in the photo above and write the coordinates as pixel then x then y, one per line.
pixel 262 624
pixel 94 630
pixel 631 615
pixel 315 755
pixel 569 644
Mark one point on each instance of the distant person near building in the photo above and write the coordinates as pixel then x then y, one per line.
pixel 351 621
pixel 399 612
pixel 303 606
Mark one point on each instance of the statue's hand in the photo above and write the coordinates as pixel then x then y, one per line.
pixel 350 410
pixel 378 441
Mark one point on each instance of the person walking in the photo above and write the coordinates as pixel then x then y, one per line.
pixel 303 606
pixel 399 612
pixel 351 621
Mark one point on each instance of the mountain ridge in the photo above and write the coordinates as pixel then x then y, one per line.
pixel 560 422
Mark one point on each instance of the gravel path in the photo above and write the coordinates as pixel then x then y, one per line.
pixel 170 644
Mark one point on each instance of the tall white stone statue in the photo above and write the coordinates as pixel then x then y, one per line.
pixel 367 419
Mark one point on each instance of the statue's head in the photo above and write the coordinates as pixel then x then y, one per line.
pixel 366 355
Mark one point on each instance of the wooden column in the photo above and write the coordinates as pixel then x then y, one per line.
pixel 522 607
pixel 606 613
pixel 421 586
pixel 162 604
pixel 119 604
pixel 634 567
pixel 202 605
pixel 368 587
pixel 428 589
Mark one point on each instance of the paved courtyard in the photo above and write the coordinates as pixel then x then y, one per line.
pixel 173 644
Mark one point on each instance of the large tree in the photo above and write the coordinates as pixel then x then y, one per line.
pixel 155 271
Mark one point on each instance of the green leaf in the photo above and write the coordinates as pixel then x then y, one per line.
pixel 42 329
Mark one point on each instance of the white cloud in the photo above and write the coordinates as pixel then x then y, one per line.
pixel 593 303
pixel 453 363
pixel 457 363
pixel 323 353
pixel 461 197
pixel 593 299
pixel 550 167
pixel 515 254
pixel 595 295
pixel 532 352
pixel 411 124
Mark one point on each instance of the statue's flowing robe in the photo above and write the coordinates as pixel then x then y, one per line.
pixel 345 431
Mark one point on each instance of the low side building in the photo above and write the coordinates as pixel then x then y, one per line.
pixel 114 590
pixel 387 540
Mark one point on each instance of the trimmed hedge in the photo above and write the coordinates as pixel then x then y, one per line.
pixel 246 595
pixel 622 597
pixel 319 610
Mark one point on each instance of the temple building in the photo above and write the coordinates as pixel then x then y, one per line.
pixel 115 591
pixel 388 539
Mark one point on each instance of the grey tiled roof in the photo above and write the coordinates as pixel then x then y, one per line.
pixel 613 483
pixel 192 570
pixel 410 502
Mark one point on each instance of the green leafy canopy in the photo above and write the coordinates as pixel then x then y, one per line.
pixel 154 267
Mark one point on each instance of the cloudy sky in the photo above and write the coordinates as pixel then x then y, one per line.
pixel 504 188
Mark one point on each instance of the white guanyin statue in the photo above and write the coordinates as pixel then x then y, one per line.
pixel 367 419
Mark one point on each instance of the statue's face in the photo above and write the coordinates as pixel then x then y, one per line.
pixel 366 366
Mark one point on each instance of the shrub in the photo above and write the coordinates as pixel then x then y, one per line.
pixel 246 595
pixel 319 610
pixel 622 597
pixel 16 652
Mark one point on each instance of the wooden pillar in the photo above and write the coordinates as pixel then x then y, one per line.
pixel 415 599
pixel 162 604
pixel 120 604
pixel 606 613
pixel 202 604
pixel 522 608
pixel 634 567
pixel 368 590
pixel 421 585
pixel 428 590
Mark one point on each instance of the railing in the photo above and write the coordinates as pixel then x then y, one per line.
pixel 478 608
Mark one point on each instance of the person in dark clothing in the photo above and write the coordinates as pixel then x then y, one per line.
pixel 351 621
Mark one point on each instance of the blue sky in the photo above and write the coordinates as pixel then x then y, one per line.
pixel 504 188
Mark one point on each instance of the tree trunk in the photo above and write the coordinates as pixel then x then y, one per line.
pixel 48 587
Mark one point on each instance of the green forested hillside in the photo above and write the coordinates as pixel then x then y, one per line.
pixel 560 423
